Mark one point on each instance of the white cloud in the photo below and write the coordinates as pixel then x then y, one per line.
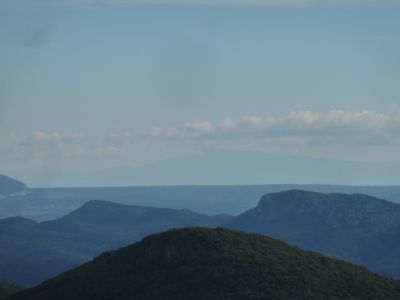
pixel 336 126
pixel 341 119
pixel 337 134
pixel 228 124
pixel 200 127
pixel 188 130
pixel 41 137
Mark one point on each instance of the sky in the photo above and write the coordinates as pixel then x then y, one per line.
pixel 95 85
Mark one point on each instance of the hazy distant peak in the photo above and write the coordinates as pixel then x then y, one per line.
pixel 9 185
pixel 98 209
pixel 100 204
pixel 113 206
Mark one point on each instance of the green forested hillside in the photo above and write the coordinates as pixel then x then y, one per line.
pixel 200 263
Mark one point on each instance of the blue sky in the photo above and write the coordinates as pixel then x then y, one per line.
pixel 90 85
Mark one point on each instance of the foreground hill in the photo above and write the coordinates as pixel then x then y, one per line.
pixel 357 228
pixel 10 186
pixel 7 289
pixel 32 252
pixel 201 263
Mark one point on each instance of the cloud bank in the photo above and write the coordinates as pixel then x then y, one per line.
pixel 336 134
pixel 336 126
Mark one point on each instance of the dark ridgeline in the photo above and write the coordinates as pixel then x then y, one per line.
pixel 32 252
pixel 210 264
pixel 357 228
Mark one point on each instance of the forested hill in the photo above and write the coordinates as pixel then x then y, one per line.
pixel 200 263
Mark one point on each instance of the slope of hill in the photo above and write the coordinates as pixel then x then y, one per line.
pixel 201 263
pixel 32 252
pixel 10 186
pixel 358 228
pixel 7 289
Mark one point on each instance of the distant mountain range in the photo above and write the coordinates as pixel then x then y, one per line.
pixel 42 204
pixel 31 252
pixel 214 264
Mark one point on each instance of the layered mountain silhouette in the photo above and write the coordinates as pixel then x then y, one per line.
pixel 357 228
pixel 200 263
pixel 32 252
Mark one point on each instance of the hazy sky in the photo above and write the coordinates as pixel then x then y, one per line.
pixel 87 85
